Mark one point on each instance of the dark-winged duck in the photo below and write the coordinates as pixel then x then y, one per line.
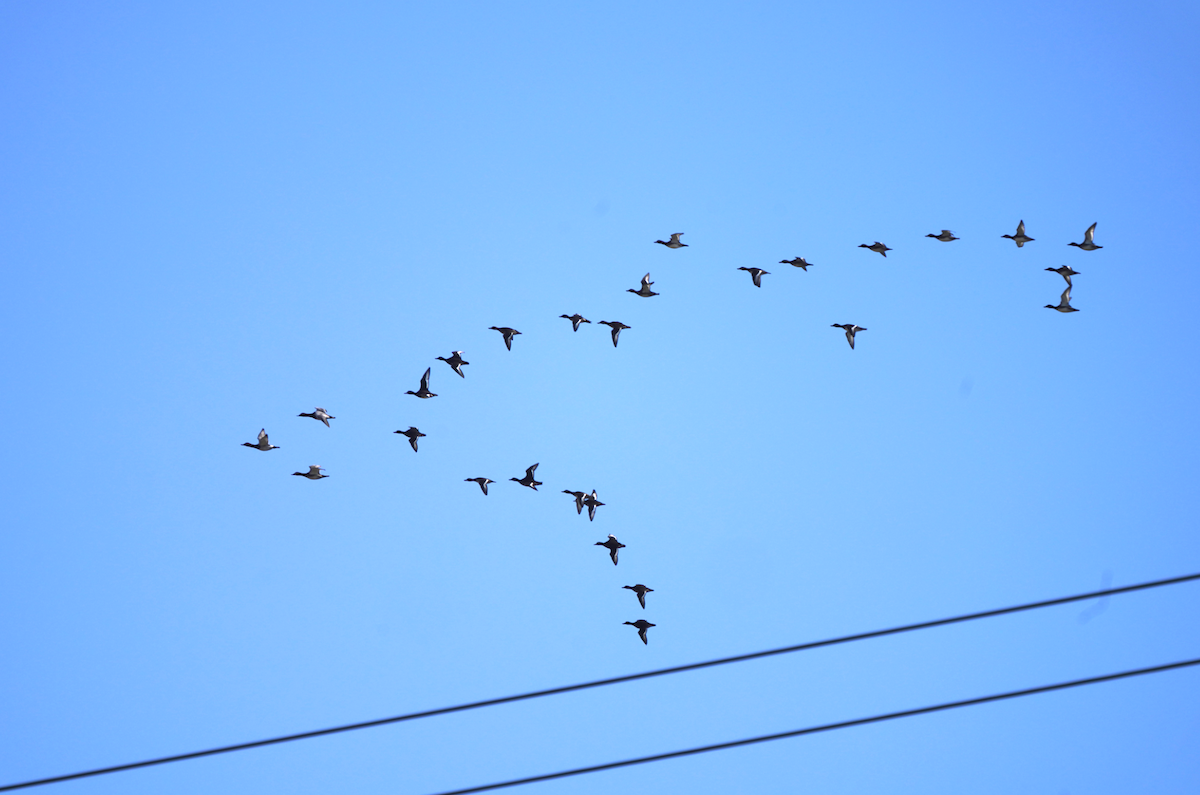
pixel 877 247
pixel 616 326
pixel 482 483
pixel 456 361
pixel 1064 302
pixel 528 479
pixel 320 414
pixel 263 442
pixel 1020 238
pixel 314 473
pixel 673 242
pixel 592 504
pixel 575 319
pixel 642 625
pixel 1088 238
pixel 413 434
pixel 612 545
pixel 423 392
pixel 579 497
pixel 850 330
pixel 1066 272
pixel 946 236
pixel 508 333
pixel 798 262
pixel 641 592
pixel 756 275
pixel 644 291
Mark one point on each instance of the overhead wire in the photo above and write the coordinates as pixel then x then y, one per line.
pixel 604 682
pixel 908 713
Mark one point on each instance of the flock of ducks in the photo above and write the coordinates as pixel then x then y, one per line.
pixel 592 501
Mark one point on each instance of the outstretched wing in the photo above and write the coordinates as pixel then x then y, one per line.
pixel 1090 234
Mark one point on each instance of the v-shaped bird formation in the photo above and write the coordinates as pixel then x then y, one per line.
pixel 591 501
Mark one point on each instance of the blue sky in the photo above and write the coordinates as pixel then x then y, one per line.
pixel 217 216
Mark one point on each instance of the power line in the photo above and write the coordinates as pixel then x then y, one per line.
pixel 826 727
pixel 602 682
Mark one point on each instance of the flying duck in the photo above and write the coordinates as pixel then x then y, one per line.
pixel 313 473
pixel 644 291
pixel 592 504
pixel 851 330
pixel 756 275
pixel 423 392
pixel 263 443
pixel 579 497
pixel 641 592
pixel 508 333
pixel 456 361
pixel 482 483
pixel 1065 272
pixel 612 545
pixel 413 434
pixel 673 242
pixel 528 479
pixel 319 414
pixel 616 327
pixel 1088 236
pixel 877 247
pixel 1064 302
pixel 1020 237
pixel 576 319
pixel 799 262
pixel 642 625
pixel 946 236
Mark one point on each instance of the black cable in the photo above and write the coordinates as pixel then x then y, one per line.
pixel 827 727
pixel 600 682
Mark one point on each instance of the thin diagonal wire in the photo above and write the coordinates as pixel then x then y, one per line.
pixel 827 727
pixel 602 682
